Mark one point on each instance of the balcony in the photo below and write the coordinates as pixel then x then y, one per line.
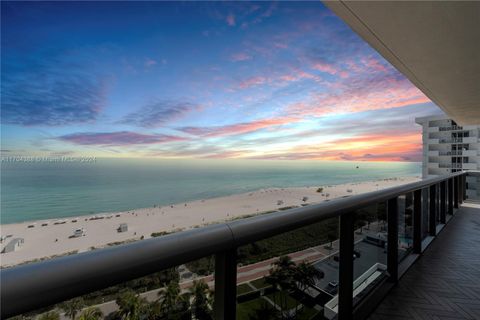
pixel 470 140
pixel 449 165
pixel 451 153
pixel 448 271
pixel 451 128
pixel 467 153
pixel 470 153
pixel 469 166
pixel 362 281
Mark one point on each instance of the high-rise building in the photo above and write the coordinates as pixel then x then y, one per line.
pixel 449 147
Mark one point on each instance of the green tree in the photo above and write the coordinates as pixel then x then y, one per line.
pixel 201 298
pixel 50 315
pixel 130 305
pixel 281 278
pixel 72 307
pixel 284 263
pixel 172 304
pixel 306 275
pixel 91 314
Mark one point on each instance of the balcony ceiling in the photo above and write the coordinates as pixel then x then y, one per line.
pixel 436 45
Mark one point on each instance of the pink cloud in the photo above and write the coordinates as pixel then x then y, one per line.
pixel 119 138
pixel 226 154
pixel 280 45
pixel 374 64
pixel 230 20
pixel 357 95
pixel 298 75
pixel 324 67
pixel 150 62
pixel 237 128
pixel 254 81
pixel 241 56
pixel 389 146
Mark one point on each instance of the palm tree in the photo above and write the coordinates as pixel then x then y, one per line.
pixel 91 314
pixel 169 296
pixel 284 263
pixel 281 278
pixel 130 305
pixel 201 294
pixel 51 315
pixel 172 304
pixel 72 307
pixel 307 275
pixel 273 279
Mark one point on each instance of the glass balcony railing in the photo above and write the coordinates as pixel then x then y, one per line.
pixel 450 128
pixel 313 261
pixel 451 153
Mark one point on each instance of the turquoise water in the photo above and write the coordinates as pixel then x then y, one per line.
pixel 32 191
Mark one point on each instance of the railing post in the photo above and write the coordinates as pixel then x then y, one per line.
pixel 464 186
pixel 226 285
pixel 460 190
pixel 443 202
pixel 392 249
pixel 345 289
pixel 417 221
pixel 455 192
pixel 450 196
pixel 432 226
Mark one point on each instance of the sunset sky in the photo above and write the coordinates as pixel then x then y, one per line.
pixel 260 80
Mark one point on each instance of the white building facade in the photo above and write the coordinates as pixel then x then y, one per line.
pixel 448 147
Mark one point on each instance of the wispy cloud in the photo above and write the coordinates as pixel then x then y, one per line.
pixel 362 93
pixel 159 113
pixel 325 67
pixel 119 138
pixel 237 128
pixel 230 19
pixel 38 93
pixel 374 147
pixel 240 56
pixel 199 152
pixel 150 62
pixel 253 81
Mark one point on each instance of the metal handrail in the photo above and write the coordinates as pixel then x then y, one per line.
pixel 28 287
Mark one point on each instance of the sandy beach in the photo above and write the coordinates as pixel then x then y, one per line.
pixel 47 238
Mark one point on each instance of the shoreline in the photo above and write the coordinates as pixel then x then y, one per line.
pixel 49 237
pixel 102 213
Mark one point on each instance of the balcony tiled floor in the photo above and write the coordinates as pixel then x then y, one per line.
pixel 445 282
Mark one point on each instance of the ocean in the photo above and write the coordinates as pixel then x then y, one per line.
pixel 44 190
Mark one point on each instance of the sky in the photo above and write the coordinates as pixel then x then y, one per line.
pixel 200 80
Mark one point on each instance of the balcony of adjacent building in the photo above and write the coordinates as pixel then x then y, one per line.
pixel 451 128
pixel 467 153
pixel 454 140
pixel 469 139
